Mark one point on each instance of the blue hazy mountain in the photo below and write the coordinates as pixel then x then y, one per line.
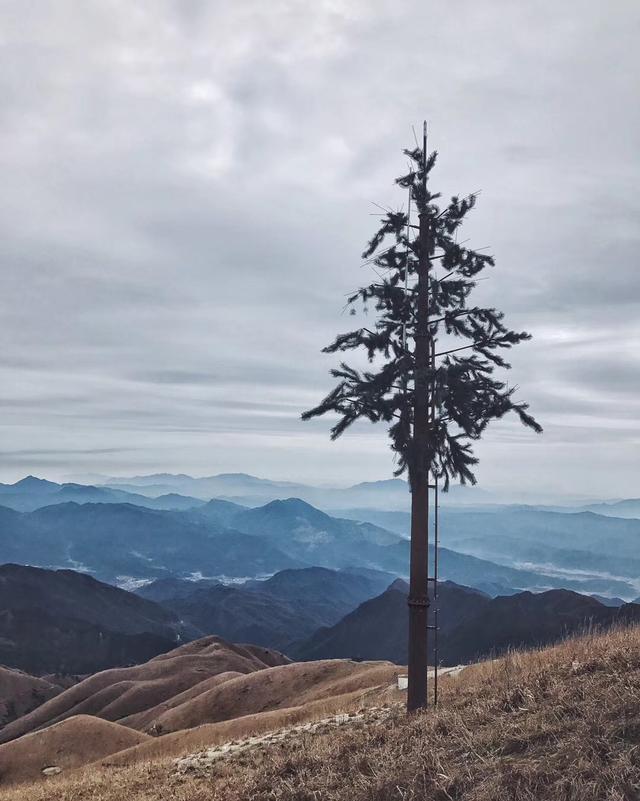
pixel 629 507
pixel 569 544
pixel 114 541
pixel 518 547
pixel 250 490
pixel 388 495
pixel 224 485
pixel 611 601
pixel 289 606
pixel 315 537
pixel 33 493
pixel 121 543
pixel 221 511
pixel 574 545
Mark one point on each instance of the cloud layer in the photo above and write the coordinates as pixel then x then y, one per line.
pixel 187 188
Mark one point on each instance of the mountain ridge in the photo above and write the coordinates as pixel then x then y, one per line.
pixel 472 625
pixel 68 622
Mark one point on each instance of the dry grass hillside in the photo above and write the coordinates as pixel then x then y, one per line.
pixel 560 723
pixel 70 744
pixel 274 688
pixel 20 693
pixel 124 692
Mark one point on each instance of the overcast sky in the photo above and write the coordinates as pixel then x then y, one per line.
pixel 186 189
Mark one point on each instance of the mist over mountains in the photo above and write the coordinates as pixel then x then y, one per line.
pixel 169 491
pixel 130 538
pixel 126 536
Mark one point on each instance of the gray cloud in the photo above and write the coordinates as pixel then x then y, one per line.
pixel 186 192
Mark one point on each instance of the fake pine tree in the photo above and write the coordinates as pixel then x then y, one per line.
pixel 433 358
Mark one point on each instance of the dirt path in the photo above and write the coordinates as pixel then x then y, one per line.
pixel 201 761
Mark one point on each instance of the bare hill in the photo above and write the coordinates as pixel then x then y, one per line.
pixel 71 730
pixel 76 741
pixel 371 689
pixel 146 720
pixel 20 693
pixel 122 692
pixel 267 690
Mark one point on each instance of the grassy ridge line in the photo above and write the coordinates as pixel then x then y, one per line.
pixel 560 723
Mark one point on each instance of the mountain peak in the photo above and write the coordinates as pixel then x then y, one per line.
pixel 289 503
pixel 382 484
pixel 295 506
pixel 399 585
pixel 34 483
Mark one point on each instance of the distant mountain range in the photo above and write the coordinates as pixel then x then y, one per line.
pixel 33 493
pixel 583 545
pixel 570 546
pixel 311 536
pixel 119 541
pixel 253 491
pixel 180 491
pixel 472 625
pixel 625 508
pixel 127 545
pixel 125 534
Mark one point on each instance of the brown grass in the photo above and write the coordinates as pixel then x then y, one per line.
pixel 67 745
pixel 562 724
pixel 275 688
pixel 121 693
pixel 20 693
pixel 180 743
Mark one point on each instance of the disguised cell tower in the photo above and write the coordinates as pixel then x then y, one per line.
pixel 436 399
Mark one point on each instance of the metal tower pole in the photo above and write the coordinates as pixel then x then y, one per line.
pixel 418 571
